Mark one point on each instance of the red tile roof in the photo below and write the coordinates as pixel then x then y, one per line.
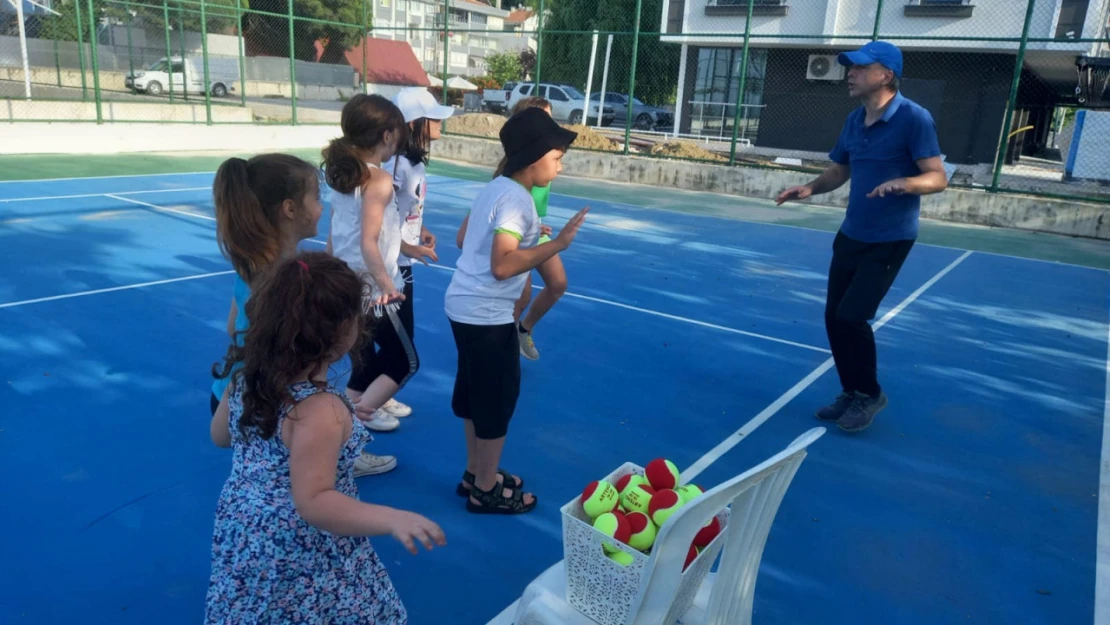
pixel 388 63
pixel 519 16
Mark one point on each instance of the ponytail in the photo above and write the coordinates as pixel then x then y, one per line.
pixel 365 120
pixel 344 168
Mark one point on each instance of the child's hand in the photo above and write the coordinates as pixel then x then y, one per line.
pixel 427 239
pixel 569 231
pixel 423 253
pixel 546 231
pixel 389 296
pixel 409 527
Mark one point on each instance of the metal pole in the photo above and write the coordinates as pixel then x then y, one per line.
pixel 632 76
pixel 95 63
pixel 242 54
pixel 743 84
pixel 81 50
pixel 878 21
pixel 169 44
pixel 57 62
pixel 23 49
pixel 605 73
pixel 204 60
pixel 366 45
pixel 130 48
pixel 292 62
pixel 181 36
pixel 678 108
pixel 590 84
pixel 1012 101
pixel 539 49
pixel 446 46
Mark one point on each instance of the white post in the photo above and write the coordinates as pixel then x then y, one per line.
pixel 605 78
pixel 23 48
pixel 589 85
pixel 681 92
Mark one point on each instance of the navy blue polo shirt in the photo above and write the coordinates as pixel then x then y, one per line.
pixel 889 149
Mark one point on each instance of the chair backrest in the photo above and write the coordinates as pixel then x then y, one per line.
pixel 754 497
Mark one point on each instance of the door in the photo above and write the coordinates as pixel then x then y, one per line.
pixel 560 103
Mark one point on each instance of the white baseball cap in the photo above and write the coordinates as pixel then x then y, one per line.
pixel 417 102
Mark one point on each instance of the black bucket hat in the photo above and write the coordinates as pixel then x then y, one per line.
pixel 530 134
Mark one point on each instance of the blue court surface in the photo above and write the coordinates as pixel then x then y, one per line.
pixel 973 498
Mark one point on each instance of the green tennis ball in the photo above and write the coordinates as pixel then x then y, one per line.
pixel 662 474
pixel 642 531
pixel 689 492
pixel 621 558
pixel 637 498
pixel 663 504
pixel 598 498
pixel 632 479
pixel 614 525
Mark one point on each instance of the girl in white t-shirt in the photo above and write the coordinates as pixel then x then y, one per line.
pixel 366 234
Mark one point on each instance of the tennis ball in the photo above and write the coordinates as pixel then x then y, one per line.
pixel 707 533
pixel 689 492
pixel 690 557
pixel 661 474
pixel 612 524
pixel 663 504
pixel 637 498
pixel 598 498
pixel 632 479
pixel 621 558
pixel 642 531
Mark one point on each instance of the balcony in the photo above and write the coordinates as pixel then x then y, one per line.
pixel 940 8
pixel 763 8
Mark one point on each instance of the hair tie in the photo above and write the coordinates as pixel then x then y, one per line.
pixel 303 265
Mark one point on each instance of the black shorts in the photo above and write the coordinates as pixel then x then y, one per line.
pixel 406 313
pixel 487 383
pixel 389 351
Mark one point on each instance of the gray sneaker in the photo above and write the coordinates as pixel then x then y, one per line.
pixel 835 410
pixel 861 412
pixel 369 464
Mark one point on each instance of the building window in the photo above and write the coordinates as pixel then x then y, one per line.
pixel 939 8
pixel 458 59
pixel 712 109
pixel 740 7
pixel 1073 14
pixel 478 18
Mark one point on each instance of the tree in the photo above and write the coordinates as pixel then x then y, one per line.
pixel 148 15
pixel 267 30
pixel 504 67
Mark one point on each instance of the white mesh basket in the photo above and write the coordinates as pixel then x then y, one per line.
pixel 602 589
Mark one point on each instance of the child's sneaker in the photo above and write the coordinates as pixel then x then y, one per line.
pixel 395 408
pixel 381 421
pixel 369 464
pixel 527 345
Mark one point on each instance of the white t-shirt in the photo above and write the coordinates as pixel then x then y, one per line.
pixel 346 236
pixel 474 295
pixel 410 182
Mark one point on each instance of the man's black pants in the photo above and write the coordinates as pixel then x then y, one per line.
pixel 859 277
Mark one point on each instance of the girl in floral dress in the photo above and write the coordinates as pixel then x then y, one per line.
pixel 291 539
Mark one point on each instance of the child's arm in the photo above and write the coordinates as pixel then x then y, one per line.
pixel 419 252
pixel 507 259
pixel 218 429
pixel 460 236
pixel 375 197
pixel 317 433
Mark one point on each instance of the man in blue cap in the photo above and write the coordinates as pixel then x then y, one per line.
pixel 888 149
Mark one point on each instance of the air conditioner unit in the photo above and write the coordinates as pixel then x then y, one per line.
pixel 824 67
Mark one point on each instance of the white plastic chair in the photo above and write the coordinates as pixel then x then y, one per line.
pixel 726 597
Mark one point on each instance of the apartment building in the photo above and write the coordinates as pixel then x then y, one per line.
pixel 795 97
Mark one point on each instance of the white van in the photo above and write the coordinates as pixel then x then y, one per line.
pixel 187 75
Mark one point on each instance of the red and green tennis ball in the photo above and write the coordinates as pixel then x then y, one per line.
pixel 663 504
pixel 614 525
pixel 707 533
pixel 689 492
pixel 637 498
pixel 642 531
pixel 661 474
pixel 598 498
pixel 632 479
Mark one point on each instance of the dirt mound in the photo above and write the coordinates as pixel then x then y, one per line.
pixel 685 149
pixel 476 125
pixel 590 139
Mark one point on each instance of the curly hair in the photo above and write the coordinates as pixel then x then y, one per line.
pixel 301 309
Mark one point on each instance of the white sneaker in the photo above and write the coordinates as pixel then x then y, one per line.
pixel 395 408
pixel 369 464
pixel 527 345
pixel 381 421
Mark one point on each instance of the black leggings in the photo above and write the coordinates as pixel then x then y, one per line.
pixel 860 276
pixel 390 353
pixel 487 381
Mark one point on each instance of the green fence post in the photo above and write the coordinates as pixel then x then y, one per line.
pixel 631 82
pixel 1011 103
pixel 539 56
pixel 365 45
pixel 57 62
pixel 743 84
pixel 204 60
pixel 181 37
pixel 169 44
pixel 242 54
pixel 130 47
pixel 81 51
pixel 95 63
pixel 878 21
pixel 292 62
pixel 446 46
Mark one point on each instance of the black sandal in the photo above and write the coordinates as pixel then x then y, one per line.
pixel 495 502
pixel 507 481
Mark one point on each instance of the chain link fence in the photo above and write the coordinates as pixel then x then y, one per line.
pixel 1018 89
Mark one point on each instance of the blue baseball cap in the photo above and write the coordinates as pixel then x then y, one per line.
pixel 886 54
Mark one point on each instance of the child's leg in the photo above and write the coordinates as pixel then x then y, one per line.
pixel 523 300
pixel 554 286
pixel 396 362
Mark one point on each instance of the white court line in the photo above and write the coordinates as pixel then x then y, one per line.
pixel 713 454
pixel 1102 540
pixel 112 194
pixel 125 287
pixel 159 208
pixel 182 173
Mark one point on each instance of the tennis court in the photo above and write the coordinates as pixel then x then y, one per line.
pixel 973 499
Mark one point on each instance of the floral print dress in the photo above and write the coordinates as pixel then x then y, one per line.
pixel 268 564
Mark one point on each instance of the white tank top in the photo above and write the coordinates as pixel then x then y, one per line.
pixel 346 236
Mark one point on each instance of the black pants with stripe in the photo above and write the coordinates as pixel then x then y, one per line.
pixel 391 351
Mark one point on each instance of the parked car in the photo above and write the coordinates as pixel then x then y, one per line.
pixel 186 75
pixel 644 117
pixel 497 100
pixel 567 103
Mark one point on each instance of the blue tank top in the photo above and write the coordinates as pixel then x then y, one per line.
pixel 241 292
